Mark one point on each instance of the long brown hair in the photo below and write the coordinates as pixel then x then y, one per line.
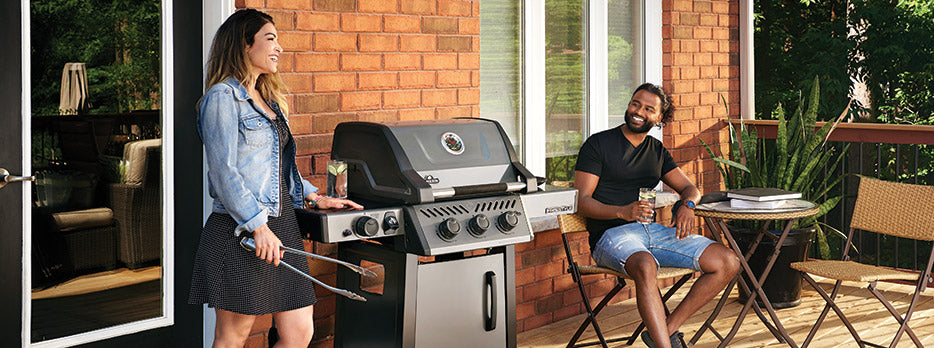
pixel 228 57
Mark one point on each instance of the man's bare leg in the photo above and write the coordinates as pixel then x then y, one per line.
pixel 642 268
pixel 719 265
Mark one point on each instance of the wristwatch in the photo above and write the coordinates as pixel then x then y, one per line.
pixel 689 204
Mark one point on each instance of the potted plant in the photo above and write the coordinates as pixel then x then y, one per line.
pixel 794 162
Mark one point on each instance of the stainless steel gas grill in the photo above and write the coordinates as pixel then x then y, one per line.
pixel 451 189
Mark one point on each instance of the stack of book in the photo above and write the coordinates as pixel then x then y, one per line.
pixel 760 197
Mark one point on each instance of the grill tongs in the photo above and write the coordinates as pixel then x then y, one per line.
pixel 249 244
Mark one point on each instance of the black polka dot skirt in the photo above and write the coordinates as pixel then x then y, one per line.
pixel 229 277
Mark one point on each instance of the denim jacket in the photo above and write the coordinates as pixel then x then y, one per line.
pixel 242 149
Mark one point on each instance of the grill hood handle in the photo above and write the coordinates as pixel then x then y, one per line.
pixel 249 244
pixel 468 190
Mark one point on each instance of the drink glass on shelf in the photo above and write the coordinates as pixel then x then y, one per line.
pixel 648 195
pixel 337 179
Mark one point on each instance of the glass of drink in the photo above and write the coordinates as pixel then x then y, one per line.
pixel 337 179
pixel 648 195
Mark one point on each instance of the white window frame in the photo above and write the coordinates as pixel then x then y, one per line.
pixel 168 207
pixel 214 13
pixel 597 104
pixel 747 75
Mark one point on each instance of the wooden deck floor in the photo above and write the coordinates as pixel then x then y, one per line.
pixel 871 320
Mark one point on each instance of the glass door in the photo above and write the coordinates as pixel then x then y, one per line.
pixel 93 133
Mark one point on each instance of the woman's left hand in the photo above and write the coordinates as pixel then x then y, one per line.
pixel 684 222
pixel 337 203
pixel 324 202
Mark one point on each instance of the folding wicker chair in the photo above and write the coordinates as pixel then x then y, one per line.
pixel 577 223
pixel 895 209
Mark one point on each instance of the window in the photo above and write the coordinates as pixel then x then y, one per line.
pixel 500 66
pixel 564 86
pixel 594 58
pixel 625 68
pixel 553 72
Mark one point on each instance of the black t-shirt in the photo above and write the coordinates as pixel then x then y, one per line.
pixel 622 169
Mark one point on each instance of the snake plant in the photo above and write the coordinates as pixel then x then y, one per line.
pixel 794 162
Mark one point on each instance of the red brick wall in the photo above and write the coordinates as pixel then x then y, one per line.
pixel 374 60
pixel 381 60
pixel 701 65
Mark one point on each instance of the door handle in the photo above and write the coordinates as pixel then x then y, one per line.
pixel 490 307
pixel 6 178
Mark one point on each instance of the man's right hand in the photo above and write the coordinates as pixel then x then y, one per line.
pixel 636 211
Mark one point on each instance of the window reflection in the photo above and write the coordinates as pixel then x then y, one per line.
pixel 97 155
pixel 564 86
pixel 624 61
pixel 500 70
pixel 566 76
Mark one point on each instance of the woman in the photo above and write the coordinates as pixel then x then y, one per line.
pixel 255 186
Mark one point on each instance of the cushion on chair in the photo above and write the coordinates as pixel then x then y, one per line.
pixel 134 153
pixel 81 219
pixel 664 272
pixel 851 271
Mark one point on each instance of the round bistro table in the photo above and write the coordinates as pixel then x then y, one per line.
pixel 715 214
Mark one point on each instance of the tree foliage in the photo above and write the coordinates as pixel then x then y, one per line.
pixel 795 41
pixel 896 58
pixel 884 43
pixel 565 76
pixel 119 41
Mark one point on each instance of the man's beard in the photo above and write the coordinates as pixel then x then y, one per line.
pixel 646 125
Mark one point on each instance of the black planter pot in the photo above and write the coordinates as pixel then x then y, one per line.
pixel 783 285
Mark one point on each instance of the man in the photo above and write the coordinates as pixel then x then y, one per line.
pixel 611 167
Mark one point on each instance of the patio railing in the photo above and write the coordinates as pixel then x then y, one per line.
pixel 902 153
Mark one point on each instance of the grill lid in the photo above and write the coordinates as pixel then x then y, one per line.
pixel 420 161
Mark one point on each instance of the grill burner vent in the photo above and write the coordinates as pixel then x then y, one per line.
pixel 495 205
pixel 444 210
pixel 459 209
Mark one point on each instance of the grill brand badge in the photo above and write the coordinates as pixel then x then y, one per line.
pixel 452 143
pixel 557 210
pixel 431 179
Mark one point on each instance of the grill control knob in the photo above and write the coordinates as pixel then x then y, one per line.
pixel 478 225
pixel 365 226
pixel 507 221
pixel 390 223
pixel 448 229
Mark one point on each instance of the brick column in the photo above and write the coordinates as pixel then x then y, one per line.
pixel 701 65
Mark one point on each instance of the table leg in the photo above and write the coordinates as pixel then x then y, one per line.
pixel 718 231
pixel 752 250
pixel 764 275
pixel 779 331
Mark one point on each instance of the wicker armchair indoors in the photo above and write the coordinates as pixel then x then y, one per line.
pixel 137 205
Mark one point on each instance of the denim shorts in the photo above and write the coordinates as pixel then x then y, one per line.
pixel 620 242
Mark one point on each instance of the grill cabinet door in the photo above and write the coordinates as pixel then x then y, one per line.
pixel 454 306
